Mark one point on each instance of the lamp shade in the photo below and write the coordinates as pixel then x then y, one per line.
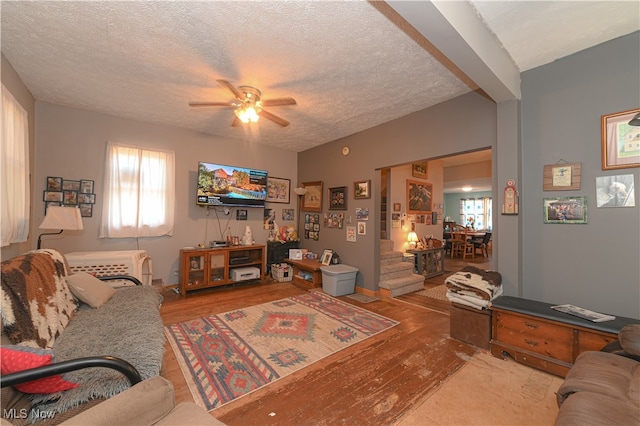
pixel 412 237
pixel 635 121
pixel 66 218
pixel 300 191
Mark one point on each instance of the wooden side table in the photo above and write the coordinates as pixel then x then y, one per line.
pixel 306 272
pixel 429 262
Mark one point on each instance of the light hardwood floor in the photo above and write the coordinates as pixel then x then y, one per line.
pixel 374 382
pixel 387 379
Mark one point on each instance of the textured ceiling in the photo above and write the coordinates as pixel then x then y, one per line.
pixel 347 65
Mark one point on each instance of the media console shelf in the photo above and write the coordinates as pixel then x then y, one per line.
pixel 212 267
pixel 534 334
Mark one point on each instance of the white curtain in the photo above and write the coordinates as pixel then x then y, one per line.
pixel 14 171
pixel 139 192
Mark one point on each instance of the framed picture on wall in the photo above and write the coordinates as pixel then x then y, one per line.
pixel 54 183
pixel 338 198
pixel 566 210
pixel 620 140
pixel 278 190
pixel 419 170
pixel 419 197
pixel 312 199
pixel 361 189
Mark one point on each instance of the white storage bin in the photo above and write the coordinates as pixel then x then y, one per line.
pixel 338 280
pixel 108 263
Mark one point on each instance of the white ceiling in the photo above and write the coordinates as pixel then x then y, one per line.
pixel 348 65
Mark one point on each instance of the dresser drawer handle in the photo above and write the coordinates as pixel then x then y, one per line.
pixel 531 342
pixel 531 325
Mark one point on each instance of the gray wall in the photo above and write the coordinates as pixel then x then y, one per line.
pixel 596 265
pixel 430 133
pixel 71 143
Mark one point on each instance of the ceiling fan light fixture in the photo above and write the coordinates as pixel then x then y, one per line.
pixel 248 113
pixel 250 107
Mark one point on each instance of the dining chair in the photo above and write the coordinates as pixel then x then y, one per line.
pixel 458 241
pixel 468 247
pixel 482 244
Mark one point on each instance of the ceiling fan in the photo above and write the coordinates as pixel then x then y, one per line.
pixel 248 107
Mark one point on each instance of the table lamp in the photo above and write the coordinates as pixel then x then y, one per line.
pixel 62 218
pixel 412 238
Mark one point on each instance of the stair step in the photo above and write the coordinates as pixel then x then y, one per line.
pixel 395 270
pixel 386 245
pixel 402 282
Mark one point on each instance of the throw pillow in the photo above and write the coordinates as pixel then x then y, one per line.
pixel 18 358
pixel 90 289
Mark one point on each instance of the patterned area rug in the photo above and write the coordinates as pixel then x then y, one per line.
pixel 438 293
pixel 229 355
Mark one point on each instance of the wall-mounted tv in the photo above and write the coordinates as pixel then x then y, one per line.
pixel 220 185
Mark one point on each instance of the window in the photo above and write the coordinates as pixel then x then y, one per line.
pixel 139 188
pixel 476 212
pixel 14 171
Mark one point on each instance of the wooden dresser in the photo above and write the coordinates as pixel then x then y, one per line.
pixel 534 334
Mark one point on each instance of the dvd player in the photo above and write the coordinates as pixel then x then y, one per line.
pixel 239 260
pixel 217 243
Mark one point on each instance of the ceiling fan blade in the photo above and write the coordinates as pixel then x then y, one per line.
pixel 209 104
pixel 231 87
pixel 236 122
pixel 278 101
pixel 274 118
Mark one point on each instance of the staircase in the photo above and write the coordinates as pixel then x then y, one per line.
pixel 396 276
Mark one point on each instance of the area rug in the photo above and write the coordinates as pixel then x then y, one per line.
pixel 438 293
pixel 232 354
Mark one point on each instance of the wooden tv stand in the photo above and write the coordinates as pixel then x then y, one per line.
pixel 213 267
pixel 534 334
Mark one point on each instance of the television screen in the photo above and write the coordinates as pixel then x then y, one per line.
pixel 220 185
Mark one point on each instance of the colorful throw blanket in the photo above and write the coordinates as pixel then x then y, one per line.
pixel 36 303
pixel 474 287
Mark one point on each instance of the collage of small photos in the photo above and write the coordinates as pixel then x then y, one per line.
pixel 71 193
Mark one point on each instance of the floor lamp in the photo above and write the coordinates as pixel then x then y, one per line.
pixel 300 193
pixel 62 218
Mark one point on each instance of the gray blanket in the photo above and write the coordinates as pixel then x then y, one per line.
pixel 129 326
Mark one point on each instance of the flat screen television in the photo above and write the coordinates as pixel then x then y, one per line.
pixel 220 185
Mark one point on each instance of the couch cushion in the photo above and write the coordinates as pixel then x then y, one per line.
pixel 588 408
pixel 90 289
pixel 629 338
pixel 599 372
pixel 19 358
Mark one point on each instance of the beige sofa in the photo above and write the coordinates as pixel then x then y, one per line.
pixel 150 402
pixel 603 388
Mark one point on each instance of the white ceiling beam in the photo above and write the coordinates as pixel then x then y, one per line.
pixel 455 29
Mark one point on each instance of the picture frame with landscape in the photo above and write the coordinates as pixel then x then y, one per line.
pixel 362 189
